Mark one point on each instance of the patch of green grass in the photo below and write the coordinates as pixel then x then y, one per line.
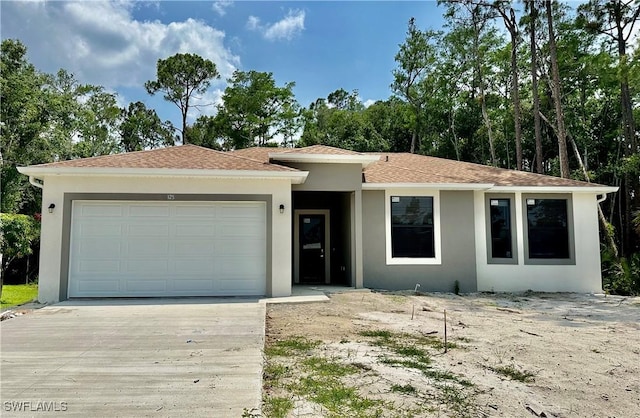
pixel 440 375
pixel 273 372
pixel 13 295
pixel 324 367
pixel 336 397
pixel 290 347
pixel 277 407
pixel 514 374
pixel 411 351
pixel 433 342
pixel 406 389
pixel 457 400
pixel 406 363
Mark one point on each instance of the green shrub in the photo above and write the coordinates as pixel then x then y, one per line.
pixel 621 276
pixel 19 233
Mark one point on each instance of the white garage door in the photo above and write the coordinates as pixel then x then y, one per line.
pixel 127 248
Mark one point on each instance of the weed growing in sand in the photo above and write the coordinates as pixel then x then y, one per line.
pixel 406 389
pixel 512 373
pixel 277 407
pixel 323 386
pixel 411 352
pixel 457 400
pixel 290 347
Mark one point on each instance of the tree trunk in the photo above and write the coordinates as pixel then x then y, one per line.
pixel 515 88
pixel 412 149
pixel 184 109
pixel 630 184
pixel 557 96
pixel 533 14
pixel 483 102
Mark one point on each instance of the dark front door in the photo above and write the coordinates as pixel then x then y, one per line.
pixel 312 248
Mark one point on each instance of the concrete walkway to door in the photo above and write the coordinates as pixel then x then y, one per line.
pixel 134 357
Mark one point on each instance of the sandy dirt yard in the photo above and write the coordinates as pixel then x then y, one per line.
pixel 525 355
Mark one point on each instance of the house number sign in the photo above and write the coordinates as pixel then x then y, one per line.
pixel 171 197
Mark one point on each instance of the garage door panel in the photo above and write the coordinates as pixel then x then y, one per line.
pixel 146 266
pixel 101 210
pixel 191 211
pixel 149 211
pixel 235 211
pixel 107 229
pixel 144 246
pixel 150 230
pixel 241 267
pixel 98 266
pixel 100 249
pixel 167 249
pixel 243 229
pixel 190 230
pixel 235 286
pixel 195 285
pixel 242 247
pixel 98 286
pixel 146 286
pixel 189 266
pixel 196 248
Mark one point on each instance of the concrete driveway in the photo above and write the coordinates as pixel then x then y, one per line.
pixel 141 357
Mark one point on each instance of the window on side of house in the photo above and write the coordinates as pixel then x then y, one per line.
pixel 412 227
pixel 548 228
pixel 501 228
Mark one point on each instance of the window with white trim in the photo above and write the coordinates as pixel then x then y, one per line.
pixel 412 234
pixel 412 227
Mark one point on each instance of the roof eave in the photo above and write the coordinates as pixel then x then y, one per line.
pixel 296 177
pixel 439 186
pixel 598 189
pixel 364 160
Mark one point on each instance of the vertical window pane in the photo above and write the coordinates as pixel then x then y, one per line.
pixel 500 228
pixel 547 221
pixel 412 227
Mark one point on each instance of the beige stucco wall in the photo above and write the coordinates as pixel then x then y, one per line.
pixel 457 248
pixel 52 224
pixel 329 177
pixel 584 276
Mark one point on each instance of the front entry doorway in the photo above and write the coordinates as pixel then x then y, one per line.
pixel 312 264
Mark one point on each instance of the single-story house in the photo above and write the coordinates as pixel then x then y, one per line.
pixel 191 221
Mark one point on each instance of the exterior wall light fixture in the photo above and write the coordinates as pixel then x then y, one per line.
pixel 281 208
pixel 51 207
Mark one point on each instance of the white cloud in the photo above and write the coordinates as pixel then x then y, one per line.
pixel 369 102
pixel 285 29
pixel 101 43
pixel 253 23
pixel 221 6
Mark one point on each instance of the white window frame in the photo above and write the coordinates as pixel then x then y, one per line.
pixel 435 194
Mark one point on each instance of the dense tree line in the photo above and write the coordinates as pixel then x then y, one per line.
pixel 534 86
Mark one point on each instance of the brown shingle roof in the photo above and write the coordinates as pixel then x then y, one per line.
pixel 178 157
pixel 412 168
pixel 258 153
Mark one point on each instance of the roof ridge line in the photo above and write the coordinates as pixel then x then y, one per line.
pixel 255 160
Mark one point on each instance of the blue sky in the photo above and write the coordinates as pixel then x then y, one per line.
pixel 320 45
